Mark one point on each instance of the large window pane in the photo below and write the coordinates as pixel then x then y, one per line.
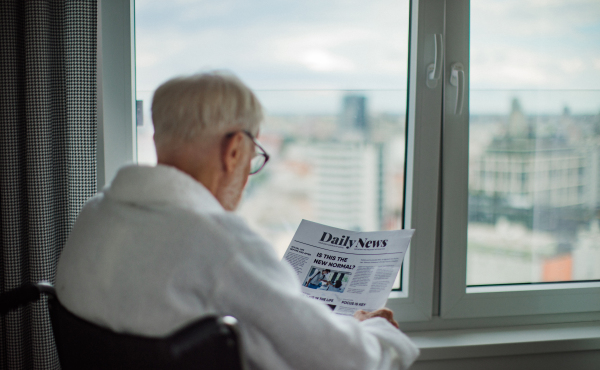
pixel 534 146
pixel 332 78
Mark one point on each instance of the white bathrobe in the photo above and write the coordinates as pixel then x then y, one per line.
pixel 155 251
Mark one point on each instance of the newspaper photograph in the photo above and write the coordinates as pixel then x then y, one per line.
pixel 347 270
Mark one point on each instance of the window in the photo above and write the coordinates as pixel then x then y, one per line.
pixel 332 77
pixel 530 94
pixel 477 124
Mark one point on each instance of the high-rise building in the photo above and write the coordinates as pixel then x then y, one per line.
pixel 349 172
pixel 349 188
pixel 354 112
pixel 531 176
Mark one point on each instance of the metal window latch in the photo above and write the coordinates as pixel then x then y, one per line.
pixel 457 79
pixel 434 70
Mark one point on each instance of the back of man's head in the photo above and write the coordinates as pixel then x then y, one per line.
pixel 186 108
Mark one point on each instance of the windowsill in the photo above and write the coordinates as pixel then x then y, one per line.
pixel 516 340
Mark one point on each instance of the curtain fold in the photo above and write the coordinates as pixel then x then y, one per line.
pixel 47 155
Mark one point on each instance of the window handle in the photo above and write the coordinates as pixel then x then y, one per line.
pixel 457 79
pixel 434 70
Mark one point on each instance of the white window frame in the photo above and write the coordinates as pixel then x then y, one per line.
pixel 458 301
pixel 433 294
pixel 117 141
pixel 421 187
pixel 117 147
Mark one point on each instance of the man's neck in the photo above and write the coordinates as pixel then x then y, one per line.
pixel 196 164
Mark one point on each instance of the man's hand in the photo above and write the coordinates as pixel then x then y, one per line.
pixel 386 313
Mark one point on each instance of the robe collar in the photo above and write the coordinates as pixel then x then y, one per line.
pixel 161 185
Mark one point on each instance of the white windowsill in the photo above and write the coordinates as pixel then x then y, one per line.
pixel 532 287
pixel 516 340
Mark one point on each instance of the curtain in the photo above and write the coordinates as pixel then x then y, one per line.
pixel 47 155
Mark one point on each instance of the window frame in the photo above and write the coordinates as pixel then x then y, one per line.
pixel 421 187
pixel 458 300
pixel 433 295
pixel 117 133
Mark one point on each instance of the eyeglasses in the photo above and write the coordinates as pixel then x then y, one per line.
pixel 260 157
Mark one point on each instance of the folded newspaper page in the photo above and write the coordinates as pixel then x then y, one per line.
pixel 347 270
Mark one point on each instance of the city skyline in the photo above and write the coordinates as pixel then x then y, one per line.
pixel 314 49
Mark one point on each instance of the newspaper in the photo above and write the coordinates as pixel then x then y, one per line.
pixel 347 270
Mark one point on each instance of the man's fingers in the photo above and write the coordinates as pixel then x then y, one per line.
pixel 382 312
pixel 388 314
pixel 360 315
pixel 385 313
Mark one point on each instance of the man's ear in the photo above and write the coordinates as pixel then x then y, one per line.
pixel 232 151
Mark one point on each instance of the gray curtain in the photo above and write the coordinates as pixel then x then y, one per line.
pixel 47 155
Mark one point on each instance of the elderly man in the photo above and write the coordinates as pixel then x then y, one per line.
pixel 160 247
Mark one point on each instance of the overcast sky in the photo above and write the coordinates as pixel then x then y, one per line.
pixel 350 45
pixel 535 44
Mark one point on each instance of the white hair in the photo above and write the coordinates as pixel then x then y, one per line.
pixel 186 107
